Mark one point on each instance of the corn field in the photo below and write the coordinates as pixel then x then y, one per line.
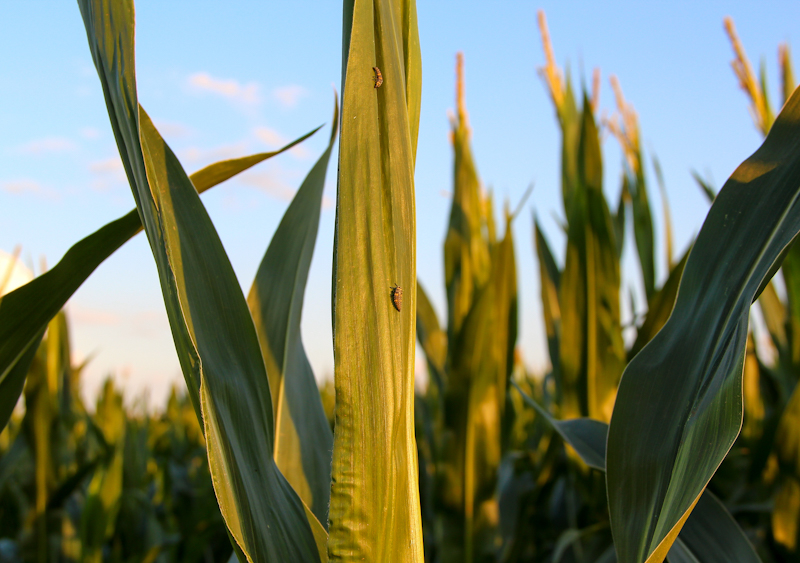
pixel 681 446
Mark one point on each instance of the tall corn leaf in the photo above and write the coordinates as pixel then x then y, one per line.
pixel 592 351
pixel 485 360
pixel 643 227
pixel 214 334
pixel 550 280
pixel 786 511
pixel 679 405
pixel 432 339
pixel 25 312
pixel 103 498
pixel 659 308
pixel 303 438
pixel 375 508
pixel 787 72
pixel 711 535
pixel 466 251
pixel 570 120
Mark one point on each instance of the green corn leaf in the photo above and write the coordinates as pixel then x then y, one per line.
pixel 705 186
pixel 550 281
pixel 787 72
pixel 711 535
pixel 620 216
pixel 786 512
pixel 214 334
pixel 303 438
pixel 484 361
pixel 643 228
pixel 25 312
pixel 679 404
pixel 466 251
pixel 592 353
pixel 98 518
pixel 662 188
pixel 660 308
pixel 432 338
pixel 791 278
pixel 570 120
pixel 375 508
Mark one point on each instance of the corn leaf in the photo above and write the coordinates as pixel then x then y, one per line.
pixel 303 438
pixel 660 308
pixel 550 281
pixel 25 312
pixel 104 495
pixel 484 361
pixel 214 334
pixel 375 508
pixel 679 405
pixel 711 535
pixel 643 228
pixel 592 353
pixel 432 338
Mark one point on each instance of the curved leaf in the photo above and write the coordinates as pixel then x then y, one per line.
pixel 375 508
pixel 214 334
pixel 303 438
pixel 679 405
pixel 710 535
pixel 25 312
pixel 659 308
pixel 432 339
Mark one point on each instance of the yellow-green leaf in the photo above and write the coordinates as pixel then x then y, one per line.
pixel 303 438
pixel 214 334
pixel 375 509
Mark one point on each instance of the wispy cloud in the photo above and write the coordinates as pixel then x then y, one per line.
pixel 233 90
pixel 270 183
pixel 107 172
pixel 274 140
pixel 47 144
pixel 86 315
pixel 26 186
pixel 90 133
pixel 172 128
pixel 288 96
pixel 203 156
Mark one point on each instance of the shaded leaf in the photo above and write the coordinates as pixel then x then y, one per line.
pixel 303 439
pixel 679 404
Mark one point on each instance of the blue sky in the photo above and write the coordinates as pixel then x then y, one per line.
pixel 229 79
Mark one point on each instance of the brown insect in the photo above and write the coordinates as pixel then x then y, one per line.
pixel 378 78
pixel 397 297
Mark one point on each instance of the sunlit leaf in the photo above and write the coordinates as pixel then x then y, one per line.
pixel 375 509
pixel 303 438
pixel 214 334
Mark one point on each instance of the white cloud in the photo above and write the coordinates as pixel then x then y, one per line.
pixel 208 156
pixel 47 144
pixel 28 186
pixel 90 133
pixel 247 94
pixel 86 315
pixel 275 140
pixel 269 183
pixel 107 173
pixel 288 96
pixel 22 186
pixel 172 128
